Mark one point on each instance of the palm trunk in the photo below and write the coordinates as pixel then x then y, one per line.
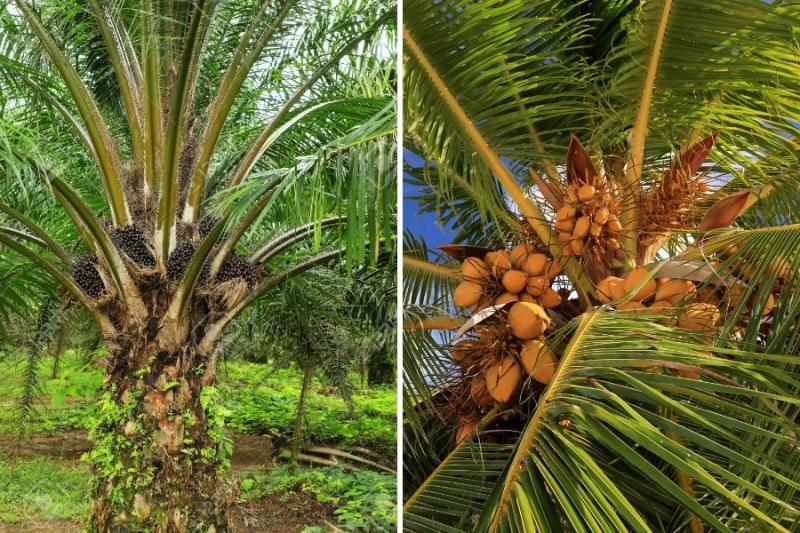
pixel 380 369
pixel 298 433
pixel 159 449
pixel 61 342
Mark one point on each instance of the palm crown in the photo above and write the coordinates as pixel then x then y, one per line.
pixel 630 359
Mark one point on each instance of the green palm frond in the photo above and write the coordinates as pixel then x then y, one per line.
pixel 620 440
pixel 615 400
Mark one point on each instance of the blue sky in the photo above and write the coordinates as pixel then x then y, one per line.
pixel 421 224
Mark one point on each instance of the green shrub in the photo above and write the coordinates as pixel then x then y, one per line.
pixel 264 401
pixel 364 500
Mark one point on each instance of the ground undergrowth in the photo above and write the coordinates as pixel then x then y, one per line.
pixel 44 483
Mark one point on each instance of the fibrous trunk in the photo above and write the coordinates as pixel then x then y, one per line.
pixel 159 449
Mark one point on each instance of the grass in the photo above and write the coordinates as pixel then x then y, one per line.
pixel 259 399
pixel 42 489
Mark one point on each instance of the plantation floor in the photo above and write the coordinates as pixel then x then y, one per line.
pixel 44 484
pixel 290 512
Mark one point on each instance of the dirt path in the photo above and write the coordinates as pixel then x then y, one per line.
pixel 288 513
pixel 249 451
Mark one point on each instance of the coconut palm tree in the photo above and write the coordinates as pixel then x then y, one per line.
pixel 165 163
pixel 610 344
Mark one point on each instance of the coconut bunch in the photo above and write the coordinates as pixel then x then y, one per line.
pixel 671 203
pixel 587 220
pixel 499 277
pixel 655 296
pixel 503 351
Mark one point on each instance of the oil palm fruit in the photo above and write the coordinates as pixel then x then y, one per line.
pixel 85 274
pixel 206 225
pixel 179 260
pixel 467 294
pixel 236 267
pixel 132 241
pixel 502 378
pixel 527 320
pixel 538 360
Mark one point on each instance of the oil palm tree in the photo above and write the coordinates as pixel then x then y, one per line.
pixel 163 161
pixel 611 342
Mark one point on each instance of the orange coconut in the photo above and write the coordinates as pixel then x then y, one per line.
pixel 550 298
pixel 505 298
pixel 515 280
pixel 582 226
pixel 565 225
pixel 539 360
pixel 499 261
pixel 613 224
pixel 699 317
pixel 690 291
pixel 552 269
pixel 564 212
pixel 536 285
pixel 634 278
pixel 465 430
pixel 478 391
pixel 534 265
pixel 467 294
pixel 609 289
pixel 632 307
pixel 601 216
pixel 527 320
pixel 586 193
pixel 673 288
pixel 475 268
pixel 521 253
pixel 502 379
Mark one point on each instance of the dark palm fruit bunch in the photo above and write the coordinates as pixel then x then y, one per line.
pixel 206 225
pixel 179 260
pixel 237 267
pixel 85 274
pixel 132 241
